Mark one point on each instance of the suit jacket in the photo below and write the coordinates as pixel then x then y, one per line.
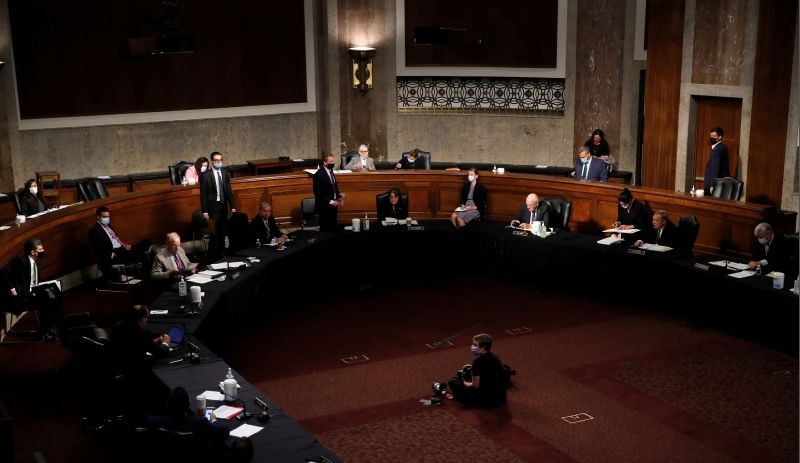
pixel 259 230
pixel 669 236
pixel 30 204
pixel 478 197
pixel 324 190
pixel 717 166
pixel 164 263
pixel 777 257
pixel 398 212
pixel 101 243
pixel 597 170
pixel 208 191
pixel 355 163
pixel 541 213
pixel 19 275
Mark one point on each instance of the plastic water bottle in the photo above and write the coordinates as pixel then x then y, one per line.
pixel 693 192
pixel 230 374
pixel 366 222
pixel 494 168
pixel 258 243
pixel 758 269
pixel 182 287
pixel 543 231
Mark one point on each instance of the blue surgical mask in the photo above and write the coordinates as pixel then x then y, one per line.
pixel 585 160
pixel 763 241
pixel 471 178
pixel 474 349
pixel 218 165
pixel 105 220
pixel 204 168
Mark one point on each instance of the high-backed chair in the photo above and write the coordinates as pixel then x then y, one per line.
pixel 422 156
pixel 200 231
pixel 239 234
pixel 346 157
pixel 177 170
pixel 688 228
pixel 92 188
pixel 382 201
pixel 728 188
pixel 560 211
pixel 18 200
pixel 308 218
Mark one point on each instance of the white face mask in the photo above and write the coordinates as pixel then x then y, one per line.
pixel 474 349
pixel 33 190
pixel 585 160
pixel 204 168
pixel 471 178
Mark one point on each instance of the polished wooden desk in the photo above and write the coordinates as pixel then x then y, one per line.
pixel 724 225
pixel 269 165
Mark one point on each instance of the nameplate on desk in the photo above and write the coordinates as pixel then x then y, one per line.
pixel 700 266
pixel 520 233
pixel 417 228
pixel 639 252
pixel 236 275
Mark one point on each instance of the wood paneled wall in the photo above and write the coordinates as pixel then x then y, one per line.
pixel 771 90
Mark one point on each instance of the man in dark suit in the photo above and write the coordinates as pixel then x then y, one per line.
pixel 771 251
pixel 327 198
pixel 109 248
pixel 264 228
pixel 588 167
pixel 532 211
pixel 22 280
pixel 717 166
pixel 664 232
pixel 216 198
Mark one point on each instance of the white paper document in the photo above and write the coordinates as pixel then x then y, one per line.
pixel 542 167
pixel 213 395
pixel 245 430
pixel 620 230
pixel 310 171
pixel 199 279
pixel 609 240
pixel 159 312
pixel 390 221
pixel 209 273
pixel 729 264
pixel 5 227
pixel 460 209
pixel 742 274
pixel 655 247
pixel 225 265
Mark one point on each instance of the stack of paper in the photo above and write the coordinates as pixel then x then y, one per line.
pixel 656 247
pixel 609 240
pixel 227 412
pixel 621 230
pixel 199 279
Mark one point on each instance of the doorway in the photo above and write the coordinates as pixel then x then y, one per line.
pixel 708 112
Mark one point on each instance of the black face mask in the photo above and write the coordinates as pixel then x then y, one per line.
pixel 712 141
pixel 40 255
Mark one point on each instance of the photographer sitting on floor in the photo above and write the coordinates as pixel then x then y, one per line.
pixel 484 383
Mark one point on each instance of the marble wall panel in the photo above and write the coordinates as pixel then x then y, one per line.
pixel 719 41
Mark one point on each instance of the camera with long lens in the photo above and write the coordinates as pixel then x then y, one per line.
pixel 465 373
pixel 439 389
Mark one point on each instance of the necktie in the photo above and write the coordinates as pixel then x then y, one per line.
pixel 533 216
pixel 220 190
pixel 585 172
pixel 35 274
pixel 266 225
pixel 178 262
pixel 658 239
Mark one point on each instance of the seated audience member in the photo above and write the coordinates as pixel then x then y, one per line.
pixel 532 211
pixel 630 212
pixel 410 161
pixel 487 385
pixel 109 249
pixel 588 167
pixel 664 232
pixel 132 344
pixel 770 250
pixel 362 162
pixel 473 201
pixel 172 262
pixel 394 208
pixel 193 173
pixel 31 200
pixel 598 147
pixel 264 228
pixel 241 450
pixel 180 417
pixel 21 281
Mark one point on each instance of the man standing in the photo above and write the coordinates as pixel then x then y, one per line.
pixel 216 198
pixel 172 261
pixel 327 198
pixel 109 248
pixel 588 167
pixel 362 162
pixel 264 228
pixel 717 166
pixel 532 211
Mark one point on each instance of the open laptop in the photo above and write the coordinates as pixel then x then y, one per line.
pixel 176 335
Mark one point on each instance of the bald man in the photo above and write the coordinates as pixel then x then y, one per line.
pixel 172 261
pixel 533 210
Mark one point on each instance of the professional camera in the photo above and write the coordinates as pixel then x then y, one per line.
pixel 465 373
pixel 439 389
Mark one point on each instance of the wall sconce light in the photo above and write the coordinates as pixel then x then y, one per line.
pixel 361 58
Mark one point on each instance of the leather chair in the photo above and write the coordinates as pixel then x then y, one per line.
pixel 308 217
pixel 239 235
pixel 177 170
pixel 688 228
pixel 92 188
pixel 18 200
pixel 200 231
pixel 560 212
pixel 383 200
pixel 728 188
pixel 346 157
pixel 424 156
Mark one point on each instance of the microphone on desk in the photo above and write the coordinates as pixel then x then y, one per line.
pixel 264 414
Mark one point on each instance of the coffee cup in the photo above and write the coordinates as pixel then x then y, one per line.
pixel 501 170
pixel 699 193
pixel 409 221
pixel 274 241
pixel 777 280
pixel 356 225
pixel 195 294
pixel 201 404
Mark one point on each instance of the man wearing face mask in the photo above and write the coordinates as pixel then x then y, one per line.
pixel 23 276
pixel 717 166
pixel 327 198
pixel 487 386
pixel 770 251
pixel 588 167
pixel 216 198
pixel 109 248
pixel 362 161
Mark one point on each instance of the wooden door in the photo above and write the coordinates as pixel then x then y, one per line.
pixel 715 112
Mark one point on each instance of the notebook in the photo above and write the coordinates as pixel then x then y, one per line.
pixel 176 334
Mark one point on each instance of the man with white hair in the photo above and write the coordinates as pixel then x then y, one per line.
pixel 171 262
pixel 532 211
pixel 363 161
pixel 770 250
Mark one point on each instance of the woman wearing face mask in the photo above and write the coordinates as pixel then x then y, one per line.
pixel 31 200
pixel 410 161
pixel 193 173
pixel 473 201
pixel 630 215
pixel 598 147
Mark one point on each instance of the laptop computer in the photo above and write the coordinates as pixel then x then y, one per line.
pixel 176 335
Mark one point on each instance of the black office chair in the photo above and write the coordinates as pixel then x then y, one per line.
pixel 92 188
pixel 688 228
pixel 423 159
pixel 18 200
pixel 177 170
pixel 382 200
pixel 308 217
pixel 347 157
pixel 560 211
pixel 239 235
pixel 200 232
pixel 728 188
